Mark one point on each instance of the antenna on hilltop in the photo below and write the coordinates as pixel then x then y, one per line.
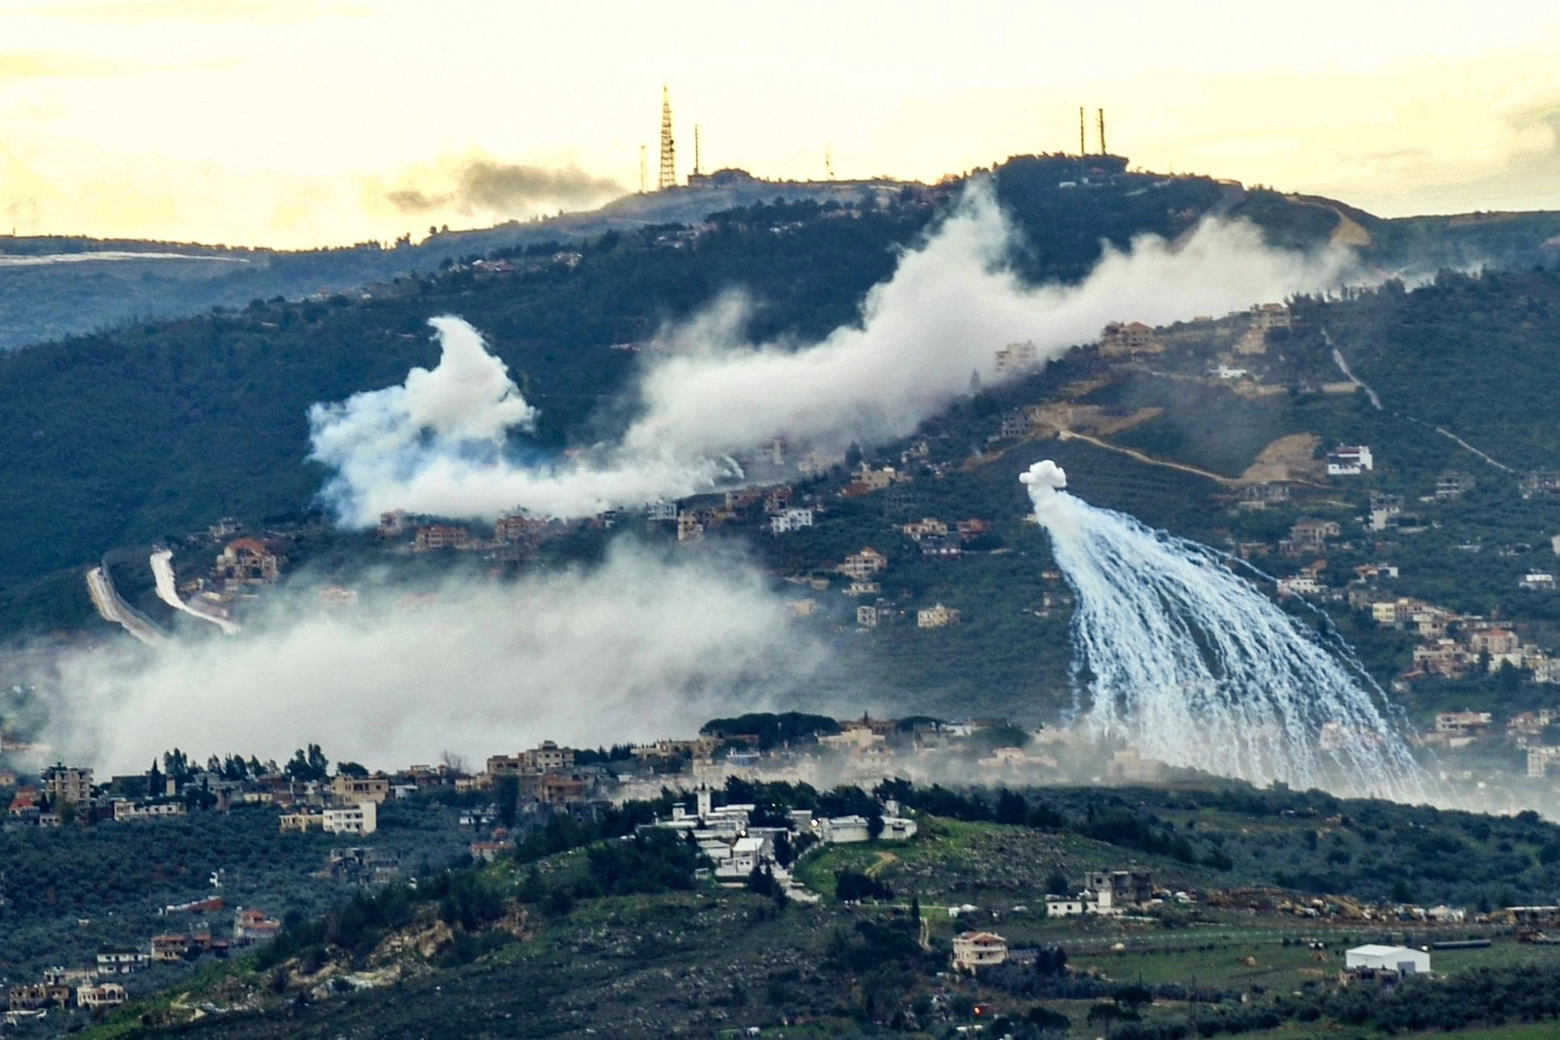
pixel 668 177
pixel 1102 133
pixel 644 169
pixel 1083 148
pixel 696 169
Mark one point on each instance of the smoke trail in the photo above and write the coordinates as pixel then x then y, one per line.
pixel 949 305
pixel 509 188
pixel 1199 669
pixel 638 648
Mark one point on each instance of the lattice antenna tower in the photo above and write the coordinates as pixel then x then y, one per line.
pixel 1102 133
pixel 696 168
pixel 668 148
pixel 1083 148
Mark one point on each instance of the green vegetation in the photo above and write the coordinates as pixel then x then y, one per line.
pixel 69 890
pixel 619 938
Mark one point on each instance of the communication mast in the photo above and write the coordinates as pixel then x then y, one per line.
pixel 696 170
pixel 668 177
pixel 1102 133
pixel 1083 147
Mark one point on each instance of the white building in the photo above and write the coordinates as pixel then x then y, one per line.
pixel 1349 461
pixel 121 962
pixel 790 520
pixel 846 830
pixel 742 857
pixel 1016 357
pixel 362 818
pixel 1064 906
pixel 842 830
pixel 1400 959
pixel 127 810
pixel 661 512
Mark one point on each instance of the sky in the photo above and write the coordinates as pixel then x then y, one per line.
pixel 298 123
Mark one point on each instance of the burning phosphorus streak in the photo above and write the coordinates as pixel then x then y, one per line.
pixel 1198 668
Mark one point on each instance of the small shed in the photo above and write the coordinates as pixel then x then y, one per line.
pixel 1401 959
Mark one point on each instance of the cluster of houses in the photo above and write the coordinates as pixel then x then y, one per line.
pixel 741 847
pixel 95 988
pixel 343 804
pixel 61 988
pixel 1453 645
pixel 1528 731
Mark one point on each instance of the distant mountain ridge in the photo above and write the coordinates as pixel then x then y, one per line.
pixel 142 280
pixel 40 301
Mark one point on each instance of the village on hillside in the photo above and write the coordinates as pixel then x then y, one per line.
pixel 700 781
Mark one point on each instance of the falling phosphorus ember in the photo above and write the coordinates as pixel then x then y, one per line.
pixel 1194 665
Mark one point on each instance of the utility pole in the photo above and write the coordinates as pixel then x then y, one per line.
pixel 1083 148
pixel 1102 133
pixel 668 178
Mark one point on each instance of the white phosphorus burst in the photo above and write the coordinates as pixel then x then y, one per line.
pixel 1198 668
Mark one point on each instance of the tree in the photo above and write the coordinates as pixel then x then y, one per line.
pixel 352 769
pixel 784 854
pixel 506 792
pixel 1012 808
pixel 306 766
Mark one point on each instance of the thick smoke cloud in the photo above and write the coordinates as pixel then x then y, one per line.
pixel 639 648
pixel 459 412
pixel 949 305
pixel 486 186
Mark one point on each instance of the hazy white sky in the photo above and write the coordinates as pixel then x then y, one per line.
pixel 290 122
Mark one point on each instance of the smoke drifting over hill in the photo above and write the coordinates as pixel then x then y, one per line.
pixel 506 188
pixel 638 648
pixel 949 305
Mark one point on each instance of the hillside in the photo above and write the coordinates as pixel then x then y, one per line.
pixel 118 438
pixel 153 432
pixel 1258 894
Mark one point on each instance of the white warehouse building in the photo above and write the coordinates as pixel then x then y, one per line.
pixel 1401 959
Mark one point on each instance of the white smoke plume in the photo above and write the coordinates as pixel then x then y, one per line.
pixel 638 648
pixel 1196 667
pixel 949 305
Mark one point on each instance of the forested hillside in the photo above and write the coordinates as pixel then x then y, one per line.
pixel 120 438
pixel 126 436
